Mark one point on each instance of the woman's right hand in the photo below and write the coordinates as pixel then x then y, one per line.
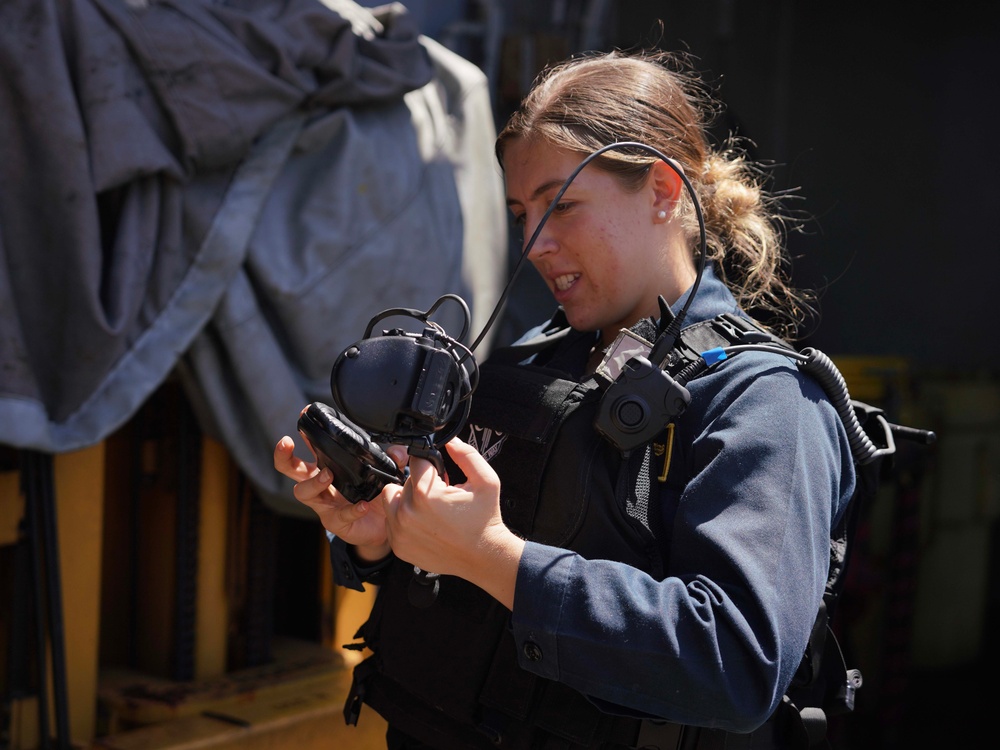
pixel 359 524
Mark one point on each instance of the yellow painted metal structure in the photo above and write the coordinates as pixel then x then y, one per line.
pixel 295 700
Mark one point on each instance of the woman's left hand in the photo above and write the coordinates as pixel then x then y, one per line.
pixel 455 529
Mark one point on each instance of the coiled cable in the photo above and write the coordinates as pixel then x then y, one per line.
pixel 821 367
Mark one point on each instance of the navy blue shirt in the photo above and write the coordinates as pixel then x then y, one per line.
pixel 717 641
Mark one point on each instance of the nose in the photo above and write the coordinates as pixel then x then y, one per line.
pixel 545 243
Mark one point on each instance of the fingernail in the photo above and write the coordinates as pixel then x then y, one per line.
pixel 324 475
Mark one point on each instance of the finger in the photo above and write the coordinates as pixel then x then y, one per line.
pixel 469 460
pixel 283 449
pixel 398 454
pixel 423 474
pixel 286 462
pixel 389 498
pixel 351 512
pixel 310 489
pixel 389 501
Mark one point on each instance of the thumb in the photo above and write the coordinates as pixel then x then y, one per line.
pixel 476 468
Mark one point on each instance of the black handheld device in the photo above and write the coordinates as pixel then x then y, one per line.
pixel 359 466
pixel 401 387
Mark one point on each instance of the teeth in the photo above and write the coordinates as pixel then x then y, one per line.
pixel 562 283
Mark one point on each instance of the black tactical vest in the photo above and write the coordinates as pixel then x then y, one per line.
pixel 446 672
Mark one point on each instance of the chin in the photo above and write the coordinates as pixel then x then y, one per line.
pixel 581 322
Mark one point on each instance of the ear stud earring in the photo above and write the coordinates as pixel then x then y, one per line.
pixel 661 215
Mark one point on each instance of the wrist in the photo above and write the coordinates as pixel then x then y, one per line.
pixel 498 565
pixel 370 554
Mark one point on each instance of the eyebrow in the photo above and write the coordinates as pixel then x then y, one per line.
pixel 539 190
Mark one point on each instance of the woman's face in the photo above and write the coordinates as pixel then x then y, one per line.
pixel 603 252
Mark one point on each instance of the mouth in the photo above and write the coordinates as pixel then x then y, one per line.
pixel 564 282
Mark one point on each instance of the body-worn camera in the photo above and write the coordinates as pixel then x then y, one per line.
pixel 411 389
pixel 638 405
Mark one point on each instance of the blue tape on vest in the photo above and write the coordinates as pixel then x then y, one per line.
pixel 714 355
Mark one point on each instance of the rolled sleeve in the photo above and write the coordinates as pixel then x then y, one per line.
pixel 545 573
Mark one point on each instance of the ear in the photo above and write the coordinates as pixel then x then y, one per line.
pixel 666 186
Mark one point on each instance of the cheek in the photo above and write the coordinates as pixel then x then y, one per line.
pixel 610 257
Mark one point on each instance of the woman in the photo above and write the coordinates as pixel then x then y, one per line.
pixel 583 587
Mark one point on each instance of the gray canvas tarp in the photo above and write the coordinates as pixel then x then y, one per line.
pixel 228 191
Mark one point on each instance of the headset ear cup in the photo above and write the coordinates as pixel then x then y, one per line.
pixel 332 424
pixel 333 444
pixel 359 466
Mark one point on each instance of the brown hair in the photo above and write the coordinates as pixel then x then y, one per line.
pixel 585 103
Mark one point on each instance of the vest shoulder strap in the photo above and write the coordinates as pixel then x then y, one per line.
pixel 726 329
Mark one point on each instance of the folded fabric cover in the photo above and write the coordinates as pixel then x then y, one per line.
pixel 227 192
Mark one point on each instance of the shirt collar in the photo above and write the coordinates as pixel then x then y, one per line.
pixel 713 298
